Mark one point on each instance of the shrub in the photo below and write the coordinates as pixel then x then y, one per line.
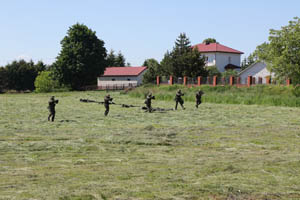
pixel 45 83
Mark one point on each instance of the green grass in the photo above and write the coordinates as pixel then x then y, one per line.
pixel 270 95
pixel 216 152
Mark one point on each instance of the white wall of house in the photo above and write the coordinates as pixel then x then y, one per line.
pixel 121 80
pixel 220 60
pixel 256 70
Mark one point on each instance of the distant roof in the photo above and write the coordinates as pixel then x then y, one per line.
pixel 251 66
pixel 215 47
pixel 123 71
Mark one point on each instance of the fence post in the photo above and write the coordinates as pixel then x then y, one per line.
pixel 268 80
pixel 231 80
pixel 253 80
pixel 184 80
pixel 199 80
pixel 214 80
pixel 249 81
pixel 171 80
pixel 157 80
pixel 288 82
pixel 259 80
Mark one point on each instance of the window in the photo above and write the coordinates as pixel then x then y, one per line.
pixel 128 79
pixel 113 79
pixel 229 60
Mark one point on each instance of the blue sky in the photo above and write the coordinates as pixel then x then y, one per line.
pixel 140 29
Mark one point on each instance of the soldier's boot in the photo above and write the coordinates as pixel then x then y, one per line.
pixel 53 117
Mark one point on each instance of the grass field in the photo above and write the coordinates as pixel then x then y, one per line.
pixel 220 151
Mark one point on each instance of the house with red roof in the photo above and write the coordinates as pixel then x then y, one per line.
pixel 221 56
pixel 121 77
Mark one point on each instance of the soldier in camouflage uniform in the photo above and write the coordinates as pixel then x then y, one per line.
pixel 107 101
pixel 51 107
pixel 178 99
pixel 198 98
pixel 148 102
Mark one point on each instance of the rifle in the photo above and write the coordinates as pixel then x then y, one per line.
pixel 101 102
pixel 91 101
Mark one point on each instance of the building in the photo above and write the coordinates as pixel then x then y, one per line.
pixel 218 55
pixel 256 70
pixel 121 77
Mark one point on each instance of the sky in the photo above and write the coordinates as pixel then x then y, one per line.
pixel 140 29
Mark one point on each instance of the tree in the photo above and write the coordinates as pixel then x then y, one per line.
pixel 153 70
pixel 251 59
pixel 282 52
pixel 213 71
pixel 44 82
pixel 3 79
pixel 120 60
pixel 21 74
pixel 184 60
pixel 81 59
pixel 114 60
pixel 209 40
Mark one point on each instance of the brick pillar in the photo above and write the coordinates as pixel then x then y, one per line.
pixel 249 81
pixel 157 80
pixel 238 81
pixel 214 80
pixel 268 80
pixel 259 80
pixel 231 80
pixel 171 80
pixel 288 82
pixel 199 80
pixel 184 80
pixel 253 80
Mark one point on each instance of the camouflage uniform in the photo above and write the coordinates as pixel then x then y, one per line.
pixel 51 108
pixel 107 101
pixel 148 102
pixel 178 99
pixel 198 98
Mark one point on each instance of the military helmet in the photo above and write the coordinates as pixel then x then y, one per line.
pixel 52 98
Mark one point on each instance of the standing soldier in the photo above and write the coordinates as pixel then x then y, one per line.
pixel 107 101
pixel 178 99
pixel 198 98
pixel 51 108
pixel 148 102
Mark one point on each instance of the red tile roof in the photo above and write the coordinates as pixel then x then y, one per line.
pixel 123 71
pixel 215 47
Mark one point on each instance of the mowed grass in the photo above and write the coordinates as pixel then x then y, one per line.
pixel 216 152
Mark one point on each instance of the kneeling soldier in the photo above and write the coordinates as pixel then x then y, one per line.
pixel 51 107
pixel 178 99
pixel 148 102
pixel 107 101
pixel 198 98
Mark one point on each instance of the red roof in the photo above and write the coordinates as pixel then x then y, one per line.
pixel 215 47
pixel 123 71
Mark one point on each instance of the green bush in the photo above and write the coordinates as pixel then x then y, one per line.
pixel 296 91
pixel 45 83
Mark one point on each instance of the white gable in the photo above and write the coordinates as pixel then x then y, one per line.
pixel 256 70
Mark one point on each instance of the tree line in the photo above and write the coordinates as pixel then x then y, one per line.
pixel 83 57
